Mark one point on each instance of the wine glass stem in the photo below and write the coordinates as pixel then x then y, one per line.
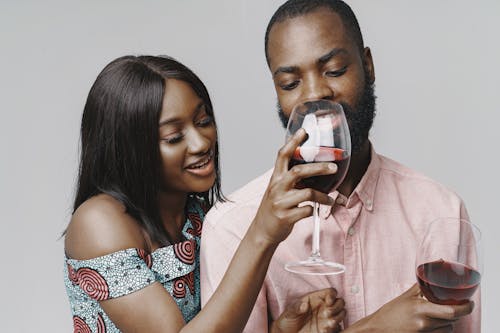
pixel 315 236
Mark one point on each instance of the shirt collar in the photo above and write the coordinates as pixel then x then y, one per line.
pixel 366 187
pixel 364 191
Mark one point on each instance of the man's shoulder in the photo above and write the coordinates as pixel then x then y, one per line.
pixel 240 207
pixel 412 179
pixel 250 192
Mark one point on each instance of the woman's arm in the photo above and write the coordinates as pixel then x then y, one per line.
pixel 101 226
pixel 229 307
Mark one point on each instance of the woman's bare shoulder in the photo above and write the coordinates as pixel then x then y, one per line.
pixel 101 226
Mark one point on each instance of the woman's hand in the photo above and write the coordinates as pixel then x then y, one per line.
pixel 279 209
pixel 316 312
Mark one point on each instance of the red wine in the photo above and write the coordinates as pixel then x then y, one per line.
pixel 323 183
pixel 446 282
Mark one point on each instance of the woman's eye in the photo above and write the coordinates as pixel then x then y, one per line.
pixel 289 86
pixel 173 138
pixel 206 121
pixel 336 73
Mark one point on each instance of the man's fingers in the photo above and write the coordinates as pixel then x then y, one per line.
pixel 300 308
pixel 444 329
pixel 330 299
pixel 338 305
pixel 303 308
pixel 333 310
pixel 322 297
pixel 332 324
pixel 447 312
pixel 440 323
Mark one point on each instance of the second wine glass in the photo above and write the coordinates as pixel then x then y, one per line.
pixel 328 141
pixel 448 263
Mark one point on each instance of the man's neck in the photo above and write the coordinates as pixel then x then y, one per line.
pixel 357 168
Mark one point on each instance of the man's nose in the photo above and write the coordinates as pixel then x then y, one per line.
pixel 316 87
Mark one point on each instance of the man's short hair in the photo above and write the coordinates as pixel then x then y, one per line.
pixel 295 8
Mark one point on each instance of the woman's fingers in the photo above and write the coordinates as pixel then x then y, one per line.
pixel 298 172
pixel 286 152
pixel 296 214
pixel 293 198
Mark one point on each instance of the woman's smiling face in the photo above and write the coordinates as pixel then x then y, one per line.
pixel 188 138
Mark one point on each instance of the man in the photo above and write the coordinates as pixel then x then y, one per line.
pixel 315 50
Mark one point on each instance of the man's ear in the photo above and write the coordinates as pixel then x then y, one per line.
pixel 368 63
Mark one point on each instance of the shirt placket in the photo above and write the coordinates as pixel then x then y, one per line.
pixel 353 276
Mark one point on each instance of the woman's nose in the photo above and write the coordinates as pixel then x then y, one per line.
pixel 198 142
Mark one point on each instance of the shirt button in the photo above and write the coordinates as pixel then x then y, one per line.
pixel 369 203
pixel 350 231
pixel 354 289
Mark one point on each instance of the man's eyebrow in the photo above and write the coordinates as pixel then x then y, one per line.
pixel 333 53
pixel 285 69
pixel 322 60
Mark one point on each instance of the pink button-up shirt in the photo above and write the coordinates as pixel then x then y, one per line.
pixel 375 233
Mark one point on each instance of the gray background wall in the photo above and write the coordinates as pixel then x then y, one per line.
pixel 437 80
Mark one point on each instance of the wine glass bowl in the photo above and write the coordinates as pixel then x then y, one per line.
pixel 449 262
pixel 328 140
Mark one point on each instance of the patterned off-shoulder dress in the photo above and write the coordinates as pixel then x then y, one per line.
pixel 120 273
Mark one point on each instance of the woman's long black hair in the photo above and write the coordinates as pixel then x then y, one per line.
pixel 120 153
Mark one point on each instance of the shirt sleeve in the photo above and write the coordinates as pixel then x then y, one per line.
pixel 218 246
pixel 472 322
pixel 113 275
pixel 216 252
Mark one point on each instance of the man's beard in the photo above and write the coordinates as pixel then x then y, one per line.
pixel 360 118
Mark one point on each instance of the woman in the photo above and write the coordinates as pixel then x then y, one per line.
pixel 149 171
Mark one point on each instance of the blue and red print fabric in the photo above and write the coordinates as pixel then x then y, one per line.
pixel 120 273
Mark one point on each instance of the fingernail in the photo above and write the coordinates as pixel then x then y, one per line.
pixel 332 166
pixel 303 307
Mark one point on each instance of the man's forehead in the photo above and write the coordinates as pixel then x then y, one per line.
pixel 306 36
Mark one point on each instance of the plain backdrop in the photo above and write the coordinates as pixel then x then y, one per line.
pixel 437 68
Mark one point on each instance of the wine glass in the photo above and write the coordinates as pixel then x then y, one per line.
pixel 449 262
pixel 328 141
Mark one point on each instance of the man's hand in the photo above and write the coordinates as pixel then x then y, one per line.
pixel 316 312
pixel 410 312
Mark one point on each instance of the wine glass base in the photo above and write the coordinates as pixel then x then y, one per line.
pixel 315 266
